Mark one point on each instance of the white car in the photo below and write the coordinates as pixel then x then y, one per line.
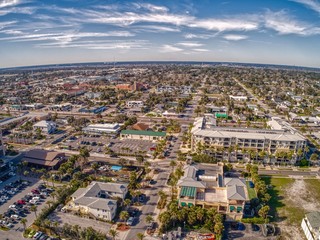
pixel 36 198
pixel 33 201
pixel 10 225
pixel 15 216
pixel 12 206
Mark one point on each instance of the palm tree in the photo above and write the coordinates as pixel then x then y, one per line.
pixel 34 209
pixel 149 219
pixel 24 221
pixel 49 203
pixel 173 164
pixel 113 233
pixel 127 202
pixel 124 215
pixel 84 154
pixel 140 236
pixel 95 167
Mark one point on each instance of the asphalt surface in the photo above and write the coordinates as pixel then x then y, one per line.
pixel 148 208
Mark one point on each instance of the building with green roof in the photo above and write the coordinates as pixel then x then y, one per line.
pixel 142 135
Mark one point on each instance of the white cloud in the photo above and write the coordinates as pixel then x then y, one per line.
pixel 169 48
pixel 200 50
pixel 21 10
pixel 190 44
pixel 9 3
pixel 312 4
pixel 284 24
pixel 199 36
pixel 156 28
pixel 151 7
pixel 99 45
pixel 234 37
pixel 225 24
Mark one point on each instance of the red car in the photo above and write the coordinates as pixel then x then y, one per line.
pixel 35 191
pixel 21 202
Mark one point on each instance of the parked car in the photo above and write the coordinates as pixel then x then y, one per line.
pixel 130 221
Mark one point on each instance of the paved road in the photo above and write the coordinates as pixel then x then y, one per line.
pixel 149 207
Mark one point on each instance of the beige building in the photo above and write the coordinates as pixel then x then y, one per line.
pixel 206 133
pixel 98 199
pixel 142 135
pixel 208 188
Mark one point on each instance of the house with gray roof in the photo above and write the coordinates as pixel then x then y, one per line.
pixel 99 199
pixel 205 186
pixel 311 225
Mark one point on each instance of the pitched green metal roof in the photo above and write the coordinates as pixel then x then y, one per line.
pixel 188 191
pixel 221 115
pixel 145 133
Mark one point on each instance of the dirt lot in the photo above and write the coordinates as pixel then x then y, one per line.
pixel 291 199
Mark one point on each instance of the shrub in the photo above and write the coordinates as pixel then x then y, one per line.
pixel 255 220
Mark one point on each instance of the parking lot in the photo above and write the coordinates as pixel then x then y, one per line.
pixel 22 207
pixel 98 144
pixel 245 232
pixel 69 218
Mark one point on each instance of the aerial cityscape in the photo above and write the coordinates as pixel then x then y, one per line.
pixel 171 120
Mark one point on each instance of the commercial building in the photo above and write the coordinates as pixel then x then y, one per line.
pixel 98 199
pixel 134 104
pixel 207 188
pixel 311 225
pixel 94 110
pixel 2 147
pixel 105 128
pixel 45 126
pixel 207 135
pixel 142 135
pixel 44 159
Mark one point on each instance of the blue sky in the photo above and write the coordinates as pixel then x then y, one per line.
pixel 49 32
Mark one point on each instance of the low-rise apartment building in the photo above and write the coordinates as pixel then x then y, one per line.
pixel 311 225
pixel 207 135
pixel 98 199
pixel 208 188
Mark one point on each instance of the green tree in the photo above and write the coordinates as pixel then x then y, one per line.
pixel 124 215
pixel 24 221
pixel 263 212
pixel 140 236
pixel 113 234
pixel 95 167
pixel 149 219
pixel 34 209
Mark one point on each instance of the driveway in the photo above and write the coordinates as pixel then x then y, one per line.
pixel 148 208
pixel 63 218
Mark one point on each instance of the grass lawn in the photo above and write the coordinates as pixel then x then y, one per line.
pixel 279 208
pixel 252 193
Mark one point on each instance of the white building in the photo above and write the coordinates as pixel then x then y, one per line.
pixel 99 199
pixel 239 98
pixel 46 126
pixel 311 225
pixel 134 104
pixel 283 139
pixel 106 128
